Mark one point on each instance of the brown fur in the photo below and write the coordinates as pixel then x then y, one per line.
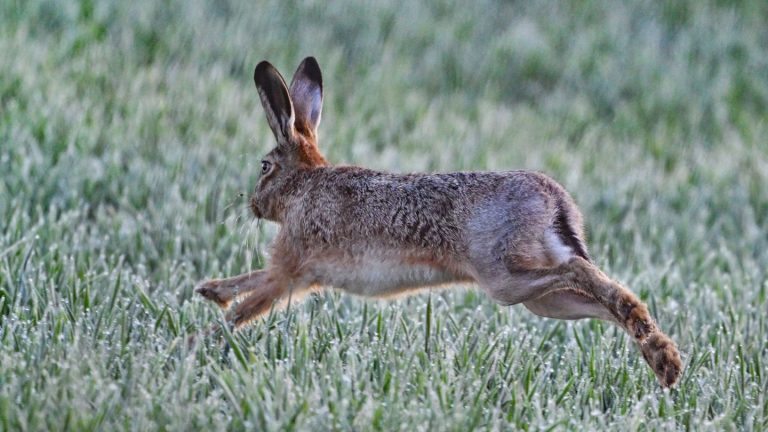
pixel 517 234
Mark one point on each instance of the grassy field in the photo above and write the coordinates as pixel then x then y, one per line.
pixel 130 130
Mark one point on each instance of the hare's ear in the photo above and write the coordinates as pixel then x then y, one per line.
pixel 307 95
pixel 275 100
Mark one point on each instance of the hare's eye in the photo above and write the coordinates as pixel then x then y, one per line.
pixel 266 166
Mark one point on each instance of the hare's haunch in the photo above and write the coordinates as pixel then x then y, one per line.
pixel 518 234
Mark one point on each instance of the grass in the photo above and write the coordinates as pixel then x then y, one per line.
pixel 129 131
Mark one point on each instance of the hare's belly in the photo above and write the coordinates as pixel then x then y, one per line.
pixel 383 276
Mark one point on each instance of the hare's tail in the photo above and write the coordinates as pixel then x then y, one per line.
pixel 567 223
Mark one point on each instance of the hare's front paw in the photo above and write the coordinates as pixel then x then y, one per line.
pixel 216 291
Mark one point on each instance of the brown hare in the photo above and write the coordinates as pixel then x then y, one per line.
pixel 517 234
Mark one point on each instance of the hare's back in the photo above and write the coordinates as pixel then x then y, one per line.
pixel 433 211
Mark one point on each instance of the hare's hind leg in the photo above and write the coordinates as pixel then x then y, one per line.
pixel 223 291
pixel 569 304
pixel 627 310
pixel 658 349
pixel 630 312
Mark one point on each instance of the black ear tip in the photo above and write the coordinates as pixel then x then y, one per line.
pixel 311 61
pixel 261 71
pixel 311 69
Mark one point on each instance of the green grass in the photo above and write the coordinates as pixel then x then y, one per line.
pixel 128 131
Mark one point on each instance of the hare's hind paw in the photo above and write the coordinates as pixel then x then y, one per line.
pixel 663 357
pixel 216 292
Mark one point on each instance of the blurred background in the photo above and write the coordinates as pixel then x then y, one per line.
pixel 131 135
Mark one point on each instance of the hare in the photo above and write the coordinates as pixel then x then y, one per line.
pixel 517 234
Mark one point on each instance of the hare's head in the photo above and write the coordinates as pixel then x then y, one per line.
pixel 293 115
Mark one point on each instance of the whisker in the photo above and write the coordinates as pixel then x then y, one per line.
pixel 231 204
pixel 237 216
pixel 258 233
pixel 244 232
pixel 253 247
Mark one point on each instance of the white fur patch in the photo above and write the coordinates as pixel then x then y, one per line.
pixel 557 249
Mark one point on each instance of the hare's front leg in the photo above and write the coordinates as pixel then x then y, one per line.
pixel 271 290
pixel 223 291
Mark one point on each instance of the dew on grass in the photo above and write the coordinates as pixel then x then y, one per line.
pixel 656 179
